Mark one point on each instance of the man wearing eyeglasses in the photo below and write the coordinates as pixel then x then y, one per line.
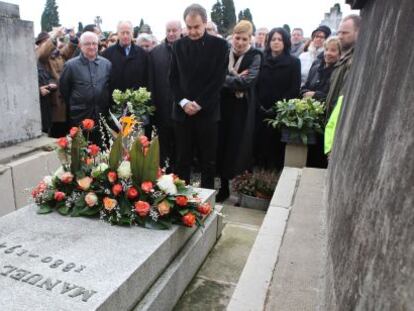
pixel 84 82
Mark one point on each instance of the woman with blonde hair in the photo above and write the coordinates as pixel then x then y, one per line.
pixel 238 108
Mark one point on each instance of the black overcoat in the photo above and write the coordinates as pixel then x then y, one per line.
pixel 198 69
pixel 128 72
pixel 236 130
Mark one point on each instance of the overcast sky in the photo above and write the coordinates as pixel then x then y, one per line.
pixel 297 13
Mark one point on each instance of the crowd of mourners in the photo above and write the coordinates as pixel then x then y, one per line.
pixel 211 94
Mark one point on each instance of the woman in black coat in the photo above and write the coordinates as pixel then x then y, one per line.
pixel 238 108
pixel 317 86
pixel 279 79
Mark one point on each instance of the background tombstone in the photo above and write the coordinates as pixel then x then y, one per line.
pixel 371 174
pixel 19 95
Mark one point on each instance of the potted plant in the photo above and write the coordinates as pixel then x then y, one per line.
pixel 255 188
pixel 298 120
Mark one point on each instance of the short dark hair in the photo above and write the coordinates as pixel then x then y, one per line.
pixel 196 9
pixel 285 37
pixel 356 19
pixel 89 27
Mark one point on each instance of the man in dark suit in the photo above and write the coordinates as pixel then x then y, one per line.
pixel 129 61
pixel 198 70
pixel 162 98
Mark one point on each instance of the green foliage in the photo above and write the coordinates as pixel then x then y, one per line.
pixel 133 101
pixel 287 28
pixel 217 16
pixel 302 115
pixel 75 154
pixel 115 155
pixel 144 167
pixel 223 14
pixel 229 16
pixel 50 16
pixel 260 183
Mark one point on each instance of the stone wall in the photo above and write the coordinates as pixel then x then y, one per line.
pixel 19 95
pixel 371 175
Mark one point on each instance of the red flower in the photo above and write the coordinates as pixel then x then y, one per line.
pixel 112 176
pixel 62 142
pixel 142 208
pixel 132 193
pixel 93 150
pixel 73 131
pixel 189 219
pixel 146 186
pixel 88 124
pixel 181 200
pixel 144 141
pixel 204 208
pixel 59 196
pixel 117 189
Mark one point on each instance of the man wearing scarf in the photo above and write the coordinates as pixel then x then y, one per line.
pixel 198 69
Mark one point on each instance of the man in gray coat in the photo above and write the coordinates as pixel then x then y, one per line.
pixel 84 82
pixel 84 85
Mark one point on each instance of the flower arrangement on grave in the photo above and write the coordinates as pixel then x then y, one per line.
pixel 301 117
pixel 135 102
pixel 122 184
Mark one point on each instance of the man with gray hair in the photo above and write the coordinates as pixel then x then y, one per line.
pixel 146 41
pixel 162 98
pixel 84 84
pixel 198 70
pixel 129 61
pixel 297 42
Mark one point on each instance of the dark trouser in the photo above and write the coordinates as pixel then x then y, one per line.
pixel 203 133
pixel 167 147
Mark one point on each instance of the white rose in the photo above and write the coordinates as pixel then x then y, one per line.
pixel 166 184
pixel 59 172
pixel 96 171
pixel 91 199
pixel 124 170
pixel 47 180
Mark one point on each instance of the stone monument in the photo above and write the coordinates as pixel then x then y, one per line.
pixel 370 184
pixel 24 157
pixel 51 262
pixel 19 95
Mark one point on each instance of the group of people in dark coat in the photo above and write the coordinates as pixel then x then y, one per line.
pixel 211 99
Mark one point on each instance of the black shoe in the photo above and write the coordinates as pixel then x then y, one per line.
pixel 222 195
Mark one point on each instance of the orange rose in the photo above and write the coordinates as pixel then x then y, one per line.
pixel 62 142
pixel 189 219
pixel 93 150
pixel 147 186
pixel 204 208
pixel 73 131
pixel 85 182
pixel 142 208
pixel 59 196
pixel 132 193
pixel 112 177
pixel 117 189
pixel 88 124
pixel 66 177
pixel 181 200
pixel 109 204
pixel 164 207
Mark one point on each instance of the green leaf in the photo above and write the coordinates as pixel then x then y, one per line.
pixel 137 161
pixel 183 211
pixel 115 155
pixel 152 161
pixel 44 209
pixel 157 225
pixel 125 206
pixel 64 210
pixel 90 211
pixel 75 154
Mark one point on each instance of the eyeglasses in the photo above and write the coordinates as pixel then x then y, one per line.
pixel 320 36
pixel 90 43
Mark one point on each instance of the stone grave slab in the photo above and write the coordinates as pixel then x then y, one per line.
pixel 51 262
